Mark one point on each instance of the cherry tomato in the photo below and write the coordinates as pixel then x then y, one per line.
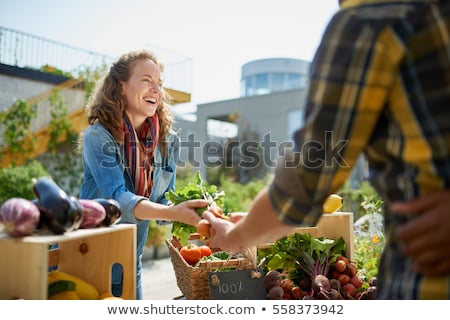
pixel 191 253
pixel 206 251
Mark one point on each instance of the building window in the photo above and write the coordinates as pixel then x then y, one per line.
pixel 277 82
pixel 247 86
pixel 293 81
pixel 262 83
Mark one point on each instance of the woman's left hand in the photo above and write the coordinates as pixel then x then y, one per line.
pixel 185 211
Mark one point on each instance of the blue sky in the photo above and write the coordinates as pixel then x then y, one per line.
pixel 217 37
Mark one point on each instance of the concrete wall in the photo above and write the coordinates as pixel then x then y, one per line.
pixel 268 115
pixel 265 115
pixel 15 88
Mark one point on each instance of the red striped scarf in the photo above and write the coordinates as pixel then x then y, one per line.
pixel 139 149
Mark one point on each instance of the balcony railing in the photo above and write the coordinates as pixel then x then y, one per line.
pixel 29 51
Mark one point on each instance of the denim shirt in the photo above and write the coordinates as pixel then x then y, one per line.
pixel 106 176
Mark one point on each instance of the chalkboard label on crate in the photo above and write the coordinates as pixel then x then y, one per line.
pixel 237 285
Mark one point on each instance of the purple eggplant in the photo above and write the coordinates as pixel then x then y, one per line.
pixel 93 213
pixel 113 212
pixel 60 212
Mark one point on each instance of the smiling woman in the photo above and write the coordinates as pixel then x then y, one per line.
pixel 130 151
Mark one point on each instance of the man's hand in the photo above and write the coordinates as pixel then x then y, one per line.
pixel 426 239
pixel 218 229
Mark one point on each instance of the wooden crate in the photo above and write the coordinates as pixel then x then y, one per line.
pixel 335 225
pixel 332 226
pixel 86 253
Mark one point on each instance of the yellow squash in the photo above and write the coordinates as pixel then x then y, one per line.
pixel 84 290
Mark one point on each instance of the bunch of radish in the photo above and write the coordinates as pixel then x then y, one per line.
pixel 346 273
pixel 341 282
pixel 301 266
pixel 279 287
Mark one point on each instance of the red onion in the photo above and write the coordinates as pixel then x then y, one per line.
pixel 20 216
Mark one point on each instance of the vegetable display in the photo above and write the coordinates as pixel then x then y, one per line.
pixel 308 267
pixel 57 211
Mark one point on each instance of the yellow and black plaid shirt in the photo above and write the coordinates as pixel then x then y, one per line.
pixel 379 85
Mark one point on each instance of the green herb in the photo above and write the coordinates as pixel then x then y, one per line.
pixel 197 189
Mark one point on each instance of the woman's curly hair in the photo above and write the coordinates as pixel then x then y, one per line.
pixel 107 104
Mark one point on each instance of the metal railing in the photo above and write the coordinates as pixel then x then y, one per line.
pixel 29 51
pixel 25 50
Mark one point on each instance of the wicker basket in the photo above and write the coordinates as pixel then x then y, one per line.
pixel 193 281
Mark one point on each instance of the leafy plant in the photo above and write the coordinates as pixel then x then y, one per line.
pixel 240 196
pixel 369 238
pixel 17 181
pixel 53 70
pixel 356 197
pixel 15 126
pixel 317 258
pixel 302 255
pixel 59 126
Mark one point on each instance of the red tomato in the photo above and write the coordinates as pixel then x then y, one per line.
pixel 191 253
pixel 206 251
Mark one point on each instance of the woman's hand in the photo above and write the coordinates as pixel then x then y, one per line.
pixel 185 211
pixel 426 238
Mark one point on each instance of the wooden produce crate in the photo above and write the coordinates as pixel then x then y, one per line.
pixel 332 226
pixel 85 253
